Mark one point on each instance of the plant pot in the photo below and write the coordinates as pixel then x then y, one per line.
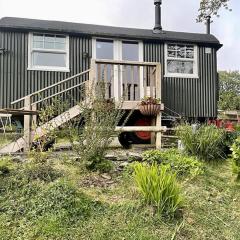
pixel 150 109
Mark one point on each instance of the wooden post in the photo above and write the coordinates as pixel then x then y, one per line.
pixel 91 82
pixel 34 117
pixel 153 134
pixel 158 95
pixel 27 123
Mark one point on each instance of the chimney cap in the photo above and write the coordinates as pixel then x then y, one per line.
pixel 157 2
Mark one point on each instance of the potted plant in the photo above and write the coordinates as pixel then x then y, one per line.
pixel 150 106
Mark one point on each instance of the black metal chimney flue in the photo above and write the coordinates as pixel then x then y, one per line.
pixel 158 17
pixel 208 23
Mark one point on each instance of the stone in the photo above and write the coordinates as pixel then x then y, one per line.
pixel 135 157
pixel 18 159
pixel 106 176
pixel 123 165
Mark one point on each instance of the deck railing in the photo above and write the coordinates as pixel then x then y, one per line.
pixel 128 80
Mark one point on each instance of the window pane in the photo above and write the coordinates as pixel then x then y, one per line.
pixel 60 39
pixel 190 52
pixel 171 46
pixel 104 49
pixel 130 51
pixel 171 54
pixel 38 44
pixel 181 53
pixel 175 66
pixel 60 46
pixel 49 38
pixel 49 59
pixel 49 45
pixel 37 37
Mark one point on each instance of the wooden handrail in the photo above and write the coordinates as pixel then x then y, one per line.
pixel 51 86
pixel 58 93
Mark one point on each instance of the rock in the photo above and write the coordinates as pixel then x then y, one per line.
pixel 110 182
pixel 123 165
pixel 135 157
pixel 106 176
pixel 111 157
pixel 18 159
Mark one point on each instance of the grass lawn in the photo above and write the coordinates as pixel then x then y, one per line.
pixel 67 203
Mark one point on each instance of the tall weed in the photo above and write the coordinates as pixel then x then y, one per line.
pixel 236 157
pixel 182 164
pixel 206 142
pixel 158 187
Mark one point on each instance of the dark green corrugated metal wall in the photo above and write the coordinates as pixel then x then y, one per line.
pixel 188 97
pixel 17 82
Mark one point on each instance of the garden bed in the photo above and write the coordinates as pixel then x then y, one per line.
pixel 75 204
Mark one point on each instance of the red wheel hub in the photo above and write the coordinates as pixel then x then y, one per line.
pixel 143 122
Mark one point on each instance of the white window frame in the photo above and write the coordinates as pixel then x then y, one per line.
pixel 194 60
pixel 117 47
pixel 47 68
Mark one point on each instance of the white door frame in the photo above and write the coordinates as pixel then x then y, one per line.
pixel 117 55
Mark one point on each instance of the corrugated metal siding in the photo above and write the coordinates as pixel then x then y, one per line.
pixel 16 81
pixel 188 97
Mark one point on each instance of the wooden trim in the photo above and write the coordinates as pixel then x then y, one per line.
pixel 141 128
pixel 130 63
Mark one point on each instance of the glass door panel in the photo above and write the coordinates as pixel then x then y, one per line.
pixel 130 74
pixel 104 50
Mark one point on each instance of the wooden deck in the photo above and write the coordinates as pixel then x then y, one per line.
pixel 124 81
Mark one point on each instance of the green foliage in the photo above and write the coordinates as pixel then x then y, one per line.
pixel 229 98
pixel 6 165
pixel 39 156
pixel 96 127
pixel 236 157
pixel 211 7
pixel 206 143
pixel 179 163
pixel 43 172
pixel 158 187
pixel 42 210
pixel 103 166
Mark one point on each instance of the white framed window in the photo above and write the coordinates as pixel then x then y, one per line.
pixel 181 60
pixel 48 52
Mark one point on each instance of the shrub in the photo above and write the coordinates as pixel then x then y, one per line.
pixel 96 127
pixel 181 164
pixel 206 142
pixel 43 172
pixel 158 187
pixel 236 157
pixel 5 166
pixel 104 166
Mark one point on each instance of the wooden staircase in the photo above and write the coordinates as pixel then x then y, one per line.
pixel 43 130
pixel 149 84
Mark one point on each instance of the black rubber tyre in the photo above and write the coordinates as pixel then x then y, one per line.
pixel 124 140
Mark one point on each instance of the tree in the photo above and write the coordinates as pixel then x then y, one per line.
pixel 229 94
pixel 211 8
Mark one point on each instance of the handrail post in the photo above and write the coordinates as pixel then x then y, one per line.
pixel 27 123
pixel 91 82
pixel 158 95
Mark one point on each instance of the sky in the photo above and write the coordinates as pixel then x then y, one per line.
pixel 177 15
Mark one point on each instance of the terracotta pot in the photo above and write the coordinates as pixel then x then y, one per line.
pixel 150 109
